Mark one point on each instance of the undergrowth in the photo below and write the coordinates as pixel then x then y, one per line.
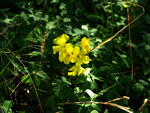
pixel 102 67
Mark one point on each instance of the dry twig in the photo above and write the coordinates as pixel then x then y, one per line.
pixel 43 43
pixel 146 101
pixel 104 103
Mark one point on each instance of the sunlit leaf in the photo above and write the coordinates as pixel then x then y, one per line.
pixel 91 93
pixel 42 74
pixel 26 79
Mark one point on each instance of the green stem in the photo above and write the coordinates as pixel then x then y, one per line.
pixel 112 14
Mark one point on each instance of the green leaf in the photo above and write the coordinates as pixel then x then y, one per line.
pixel 96 78
pixel 94 85
pixel 144 82
pixel 147 71
pixel 26 79
pixel 94 111
pixel 77 31
pixel 147 47
pixel 122 56
pixel 125 61
pixel 139 88
pixel 57 88
pixel 106 111
pixel 65 80
pixel 122 3
pixel 25 17
pixel 106 68
pixel 7 21
pixel 95 106
pixel 35 53
pixel 37 80
pixel 91 94
pixel 133 45
pixel 42 74
pixel 67 19
pixel 6 106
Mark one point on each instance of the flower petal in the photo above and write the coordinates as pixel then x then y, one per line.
pixel 79 61
pixel 74 58
pixel 61 40
pixel 61 58
pixel 85 42
pixel 68 48
pixel 76 50
pixel 56 49
pixel 86 59
pixel 72 68
pixel 87 71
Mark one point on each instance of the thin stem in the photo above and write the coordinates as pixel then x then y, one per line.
pixel 122 28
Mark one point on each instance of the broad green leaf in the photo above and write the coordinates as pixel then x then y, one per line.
pixel 67 19
pixel 94 85
pixel 147 47
pixel 84 27
pixel 122 3
pixel 144 82
pixel 37 80
pixel 42 74
pixel 139 88
pixel 91 94
pixel 96 107
pixel 26 79
pixel 7 21
pixel 77 31
pixel 6 106
pixel 133 45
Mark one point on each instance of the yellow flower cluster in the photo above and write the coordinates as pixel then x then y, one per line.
pixel 77 54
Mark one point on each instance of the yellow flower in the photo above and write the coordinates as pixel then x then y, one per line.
pixel 78 70
pixel 69 54
pixel 85 44
pixel 61 40
pixel 65 49
pixel 65 55
pixel 80 56
pixel 61 43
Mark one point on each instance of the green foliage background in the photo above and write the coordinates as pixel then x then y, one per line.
pixel 28 83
